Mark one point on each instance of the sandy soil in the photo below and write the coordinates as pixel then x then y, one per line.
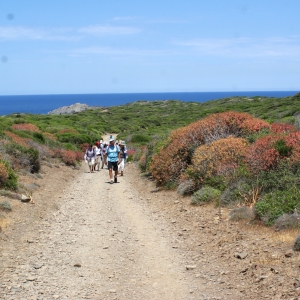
pixel 84 238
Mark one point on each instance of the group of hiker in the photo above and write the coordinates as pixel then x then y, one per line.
pixel 112 154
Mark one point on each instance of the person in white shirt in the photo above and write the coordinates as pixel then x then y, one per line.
pixel 123 157
pixel 98 151
pixel 104 158
pixel 89 157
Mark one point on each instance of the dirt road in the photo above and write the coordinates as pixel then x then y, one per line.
pixel 85 238
pixel 99 244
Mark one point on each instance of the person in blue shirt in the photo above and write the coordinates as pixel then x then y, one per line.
pixel 113 159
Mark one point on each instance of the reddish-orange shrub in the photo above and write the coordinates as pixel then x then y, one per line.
pixel 174 157
pixel 131 152
pixel 50 136
pixel 262 155
pixel 253 125
pixel 57 152
pixel 3 173
pixel 221 157
pixel 293 140
pixel 68 157
pixel 17 139
pixel 25 126
pixel 282 128
pixel 78 155
pixel 84 146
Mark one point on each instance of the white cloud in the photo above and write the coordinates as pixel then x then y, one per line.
pixel 61 34
pixel 126 18
pixel 247 47
pixel 108 30
pixel 28 33
pixel 114 51
pixel 167 21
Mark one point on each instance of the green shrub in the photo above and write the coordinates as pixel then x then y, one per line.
pixel 69 146
pixel 252 137
pixel 34 160
pixel 205 194
pixel 39 137
pixel 140 139
pixel 282 178
pixel 170 185
pixel 12 181
pixel 277 203
pixel 217 182
pixel 74 138
pixel 282 148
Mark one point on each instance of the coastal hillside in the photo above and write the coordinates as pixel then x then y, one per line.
pixel 249 140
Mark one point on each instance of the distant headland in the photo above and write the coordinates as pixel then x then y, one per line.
pixel 74 108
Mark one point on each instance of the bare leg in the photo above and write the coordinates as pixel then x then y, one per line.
pixel 110 174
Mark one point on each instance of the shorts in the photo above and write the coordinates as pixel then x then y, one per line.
pixel 91 161
pixel 112 165
pixel 98 159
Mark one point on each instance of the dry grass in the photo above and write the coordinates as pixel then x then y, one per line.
pixel 286 236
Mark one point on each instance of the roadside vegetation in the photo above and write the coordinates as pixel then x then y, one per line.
pixel 239 152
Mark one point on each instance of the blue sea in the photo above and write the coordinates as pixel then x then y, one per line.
pixel 42 104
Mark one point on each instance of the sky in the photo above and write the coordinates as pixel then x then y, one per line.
pixel 96 46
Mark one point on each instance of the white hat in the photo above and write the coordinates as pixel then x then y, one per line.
pixel 111 138
pixel 101 141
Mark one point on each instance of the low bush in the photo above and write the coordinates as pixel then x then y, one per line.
pixel 3 174
pixel 5 205
pixel 140 139
pixel 27 157
pixel 131 154
pixel 297 243
pixel 283 177
pixel 68 130
pixel 277 203
pixel 68 157
pixel 176 154
pixel 186 187
pixel 262 155
pixel 242 213
pixel 17 139
pixel 74 138
pixel 11 182
pixel 205 194
pixel 27 127
pixel 39 137
pixel 235 193
pixel 34 160
pixel 78 155
pixel 282 148
pixel 143 159
pixel 9 194
pixel 28 188
pixel 221 157
pixel 282 128
pixel 288 221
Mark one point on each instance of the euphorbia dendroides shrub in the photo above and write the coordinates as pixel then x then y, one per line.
pixel 173 159
pixel 220 157
pixel 25 126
